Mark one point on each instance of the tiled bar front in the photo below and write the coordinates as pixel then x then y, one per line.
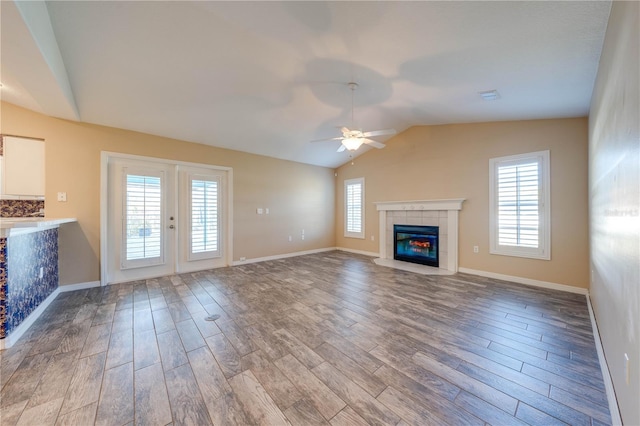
pixel 28 275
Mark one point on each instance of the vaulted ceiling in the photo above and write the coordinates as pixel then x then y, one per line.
pixel 268 77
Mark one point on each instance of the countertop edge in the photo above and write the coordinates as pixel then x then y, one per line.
pixel 9 227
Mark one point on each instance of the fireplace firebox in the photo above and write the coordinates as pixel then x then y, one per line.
pixel 416 244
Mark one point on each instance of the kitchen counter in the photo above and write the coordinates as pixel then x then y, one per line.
pixel 10 226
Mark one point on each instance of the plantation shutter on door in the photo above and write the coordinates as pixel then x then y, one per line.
pixel 142 219
pixel 204 221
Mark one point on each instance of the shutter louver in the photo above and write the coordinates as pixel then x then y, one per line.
pixel 143 217
pixel 518 191
pixel 354 208
pixel 204 216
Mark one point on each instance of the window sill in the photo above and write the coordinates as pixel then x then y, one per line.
pixel 518 253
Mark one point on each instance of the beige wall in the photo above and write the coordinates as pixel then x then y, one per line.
pixel 299 196
pixel 452 161
pixel 614 193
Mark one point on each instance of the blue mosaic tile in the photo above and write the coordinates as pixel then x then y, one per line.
pixel 26 255
pixel 3 287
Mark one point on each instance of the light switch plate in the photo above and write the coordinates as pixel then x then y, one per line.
pixel 62 196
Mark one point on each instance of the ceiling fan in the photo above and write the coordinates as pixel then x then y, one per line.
pixel 352 139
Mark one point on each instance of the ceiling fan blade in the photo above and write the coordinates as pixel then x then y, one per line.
pixel 327 139
pixel 341 148
pixel 373 143
pixel 379 133
pixel 344 130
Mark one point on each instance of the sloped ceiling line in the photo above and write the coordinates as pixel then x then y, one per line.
pixel 35 16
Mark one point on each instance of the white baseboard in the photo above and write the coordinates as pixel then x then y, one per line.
pixel 17 333
pixel 616 419
pixel 365 253
pixel 280 256
pixel 78 286
pixel 526 281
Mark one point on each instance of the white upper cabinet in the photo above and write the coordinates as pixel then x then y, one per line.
pixel 22 167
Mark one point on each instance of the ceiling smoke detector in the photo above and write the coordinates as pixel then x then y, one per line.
pixel 489 95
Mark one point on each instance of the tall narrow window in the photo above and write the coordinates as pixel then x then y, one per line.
pixel 205 217
pixel 519 205
pixel 142 219
pixel 354 208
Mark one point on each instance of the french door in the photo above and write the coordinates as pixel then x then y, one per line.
pixel 202 198
pixel 163 218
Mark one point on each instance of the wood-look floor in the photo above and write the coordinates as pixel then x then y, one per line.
pixel 328 338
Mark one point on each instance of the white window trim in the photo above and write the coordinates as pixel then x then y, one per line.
pixel 348 234
pixel 544 249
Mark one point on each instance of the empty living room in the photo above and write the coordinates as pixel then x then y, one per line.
pixel 319 213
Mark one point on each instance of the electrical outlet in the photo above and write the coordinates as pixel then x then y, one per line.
pixel 373 238
pixel 259 211
pixel 290 238
pixel 476 249
pixel 266 211
pixel 62 196
pixel 242 259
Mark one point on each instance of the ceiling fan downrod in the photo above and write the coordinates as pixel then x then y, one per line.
pixel 353 86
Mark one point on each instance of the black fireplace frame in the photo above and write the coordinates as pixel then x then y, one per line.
pixel 417 230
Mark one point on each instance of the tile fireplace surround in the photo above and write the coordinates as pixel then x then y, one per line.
pixel 441 213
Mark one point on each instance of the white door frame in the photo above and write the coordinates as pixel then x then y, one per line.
pixel 106 156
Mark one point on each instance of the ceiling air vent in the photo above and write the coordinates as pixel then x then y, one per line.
pixel 489 95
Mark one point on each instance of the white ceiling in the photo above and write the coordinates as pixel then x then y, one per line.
pixel 267 77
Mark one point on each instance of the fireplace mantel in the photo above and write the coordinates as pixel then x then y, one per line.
pixel 444 212
pixel 448 204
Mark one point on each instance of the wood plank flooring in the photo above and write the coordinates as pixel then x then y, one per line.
pixel 326 339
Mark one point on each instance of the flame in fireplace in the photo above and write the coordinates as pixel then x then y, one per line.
pixel 421 244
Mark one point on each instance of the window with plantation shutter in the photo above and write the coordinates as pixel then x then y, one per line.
pixel 205 217
pixel 354 208
pixel 519 205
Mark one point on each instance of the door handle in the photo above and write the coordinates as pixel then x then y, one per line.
pixel 171 226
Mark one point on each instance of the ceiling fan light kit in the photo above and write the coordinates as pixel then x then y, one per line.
pixel 352 144
pixel 353 139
